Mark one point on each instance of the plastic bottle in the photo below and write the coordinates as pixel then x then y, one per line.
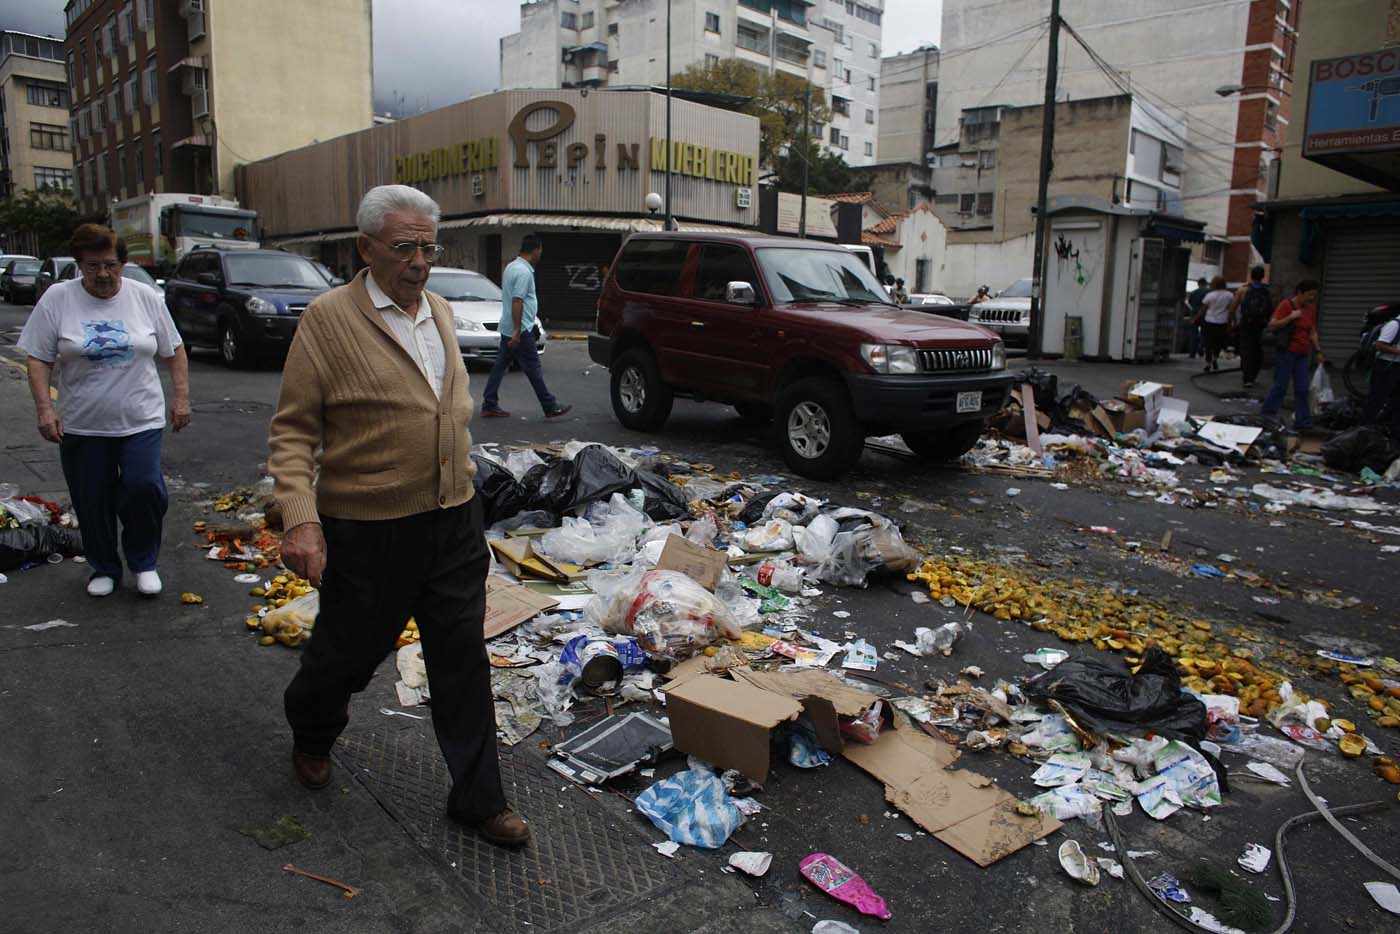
pixel 839 881
pixel 941 639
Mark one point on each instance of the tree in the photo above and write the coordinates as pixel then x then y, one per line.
pixel 45 218
pixel 828 173
pixel 775 99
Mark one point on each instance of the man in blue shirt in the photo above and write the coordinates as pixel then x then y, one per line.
pixel 519 309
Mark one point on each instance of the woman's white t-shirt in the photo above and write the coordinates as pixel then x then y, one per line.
pixel 104 350
pixel 1217 306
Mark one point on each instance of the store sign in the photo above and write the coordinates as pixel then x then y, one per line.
pixel 718 165
pixel 476 155
pixel 1354 104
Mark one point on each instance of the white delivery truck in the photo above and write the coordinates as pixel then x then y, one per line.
pixel 159 229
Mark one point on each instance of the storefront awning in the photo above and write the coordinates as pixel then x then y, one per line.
pixel 1313 215
pixel 1176 228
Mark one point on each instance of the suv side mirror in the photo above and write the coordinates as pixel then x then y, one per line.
pixel 212 279
pixel 740 293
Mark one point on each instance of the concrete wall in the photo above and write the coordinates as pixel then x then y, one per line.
pixel 922 236
pixel 904 80
pixel 19 114
pixel 966 266
pixel 308 79
pixel 531 58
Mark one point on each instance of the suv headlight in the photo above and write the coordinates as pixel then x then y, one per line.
pixel 998 356
pixel 890 358
pixel 260 306
pixel 466 324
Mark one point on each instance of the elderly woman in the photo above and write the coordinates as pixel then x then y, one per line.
pixel 1215 317
pixel 102 334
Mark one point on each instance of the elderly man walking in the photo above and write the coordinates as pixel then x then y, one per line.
pixel 390 529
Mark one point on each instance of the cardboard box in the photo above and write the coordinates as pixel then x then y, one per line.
pixel 824 699
pixel 519 558
pixel 702 564
pixel 509 604
pixel 1117 417
pixel 1136 391
pixel 727 723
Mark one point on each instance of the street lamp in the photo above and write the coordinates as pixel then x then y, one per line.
pixel 1225 90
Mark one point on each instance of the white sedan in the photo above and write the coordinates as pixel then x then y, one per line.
pixel 929 298
pixel 476 311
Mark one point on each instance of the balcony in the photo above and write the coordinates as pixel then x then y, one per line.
pixel 792 48
pixel 752 39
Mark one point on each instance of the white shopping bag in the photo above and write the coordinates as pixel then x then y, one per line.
pixel 1321 387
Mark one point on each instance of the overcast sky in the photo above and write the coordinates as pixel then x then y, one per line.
pixel 430 53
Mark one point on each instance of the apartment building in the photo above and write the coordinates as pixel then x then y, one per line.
pixel 908 106
pixel 835 44
pixel 33 114
pixel 171 95
pixel 1224 68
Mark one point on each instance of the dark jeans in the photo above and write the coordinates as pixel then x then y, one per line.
pixel 1385 388
pixel 529 360
pixel 1251 351
pixel 430 566
pixel 1216 337
pixel 111 480
pixel 1295 366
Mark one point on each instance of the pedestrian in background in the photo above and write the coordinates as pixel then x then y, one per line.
pixel 519 312
pixel 375 394
pixel 1193 309
pixel 1214 318
pixel 901 294
pixel 1385 379
pixel 102 333
pixel 1252 308
pixel 1294 325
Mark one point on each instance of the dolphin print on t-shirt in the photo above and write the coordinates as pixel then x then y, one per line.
pixel 107 343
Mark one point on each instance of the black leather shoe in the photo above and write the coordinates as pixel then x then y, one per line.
pixel 312 771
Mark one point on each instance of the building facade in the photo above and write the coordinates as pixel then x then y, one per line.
pixel 908 106
pixel 1335 214
pixel 1224 69
pixel 571 165
pixel 171 95
pixel 835 44
pixel 33 115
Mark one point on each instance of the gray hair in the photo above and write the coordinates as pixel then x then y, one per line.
pixel 379 201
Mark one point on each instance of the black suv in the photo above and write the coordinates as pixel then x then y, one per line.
pixel 246 303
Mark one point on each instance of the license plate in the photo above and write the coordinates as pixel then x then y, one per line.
pixel 970 401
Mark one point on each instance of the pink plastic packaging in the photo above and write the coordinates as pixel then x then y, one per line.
pixel 839 881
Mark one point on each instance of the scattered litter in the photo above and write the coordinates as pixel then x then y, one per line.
pixel 833 927
pixel 752 863
pixel 840 882
pixel 612 747
pixel 691 807
pixel 284 831
pixel 349 891
pixel 247 579
pixel 1267 772
pixel 52 624
pixel 1045 658
pixel 1386 895
pixel 1168 888
pixel 1077 865
pixel 1110 866
pixel 1255 858
pixel 667 848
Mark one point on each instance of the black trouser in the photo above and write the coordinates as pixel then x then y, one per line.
pixel 1385 387
pixel 431 566
pixel 1251 351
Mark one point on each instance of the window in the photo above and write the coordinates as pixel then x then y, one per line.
pixel 818 58
pixel 98 123
pixel 1172 158
pixel 82 64
pixel 1212 252
pixel 109 35
pixel 845 142
pixel 746 37
pixel 126 24
pixel 101 171
pixel 966 203
pixel 846 75
pixel 72 71
pixel 987 159
pixel 1270 115
pixel 83 122
pixel 114 104
pixel 45 177
pixel 921 267
pixel 874 50
pixel 651 266
pixel 869 14
pixel 835 136
pixel 47 136
pixel 984 203
pixel 587 20
pixel 157 161
pixel 712 22
pixel 119 182
pixel 870 149
pixel 138 158
pixel 870 82
pixel 711 61
pixel 568 20
pixel 612 29
pixel 840 105
pixel 73 130
pixel 47 94
pixel 133 92
pixel 720 265
pixel 791 48
pixel 152 82
pixel 869 115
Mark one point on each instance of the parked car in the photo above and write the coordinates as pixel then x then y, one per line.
pixel 54 269
pixel 1008 313
pixel 929 298
pixel 136 273
pixel 476 310
pixel 245 303
pixel 17 280
pixel 793 330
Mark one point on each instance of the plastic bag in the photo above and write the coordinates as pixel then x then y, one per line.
pixel 692 807
pixel 291 623
pixel 520 463
pixel 607 536
pixel 669 613
pixel 1321 387
pixel 864 729
pixel 703 531
pixel 1107 698
pixel 854 555
pixel 793 507
pixel 1364 446
pixel 598 474
pixel 1338 415
pixel 773 535
pixel 814 541
pixel 32 544
pixel 25 513
pixel 501 494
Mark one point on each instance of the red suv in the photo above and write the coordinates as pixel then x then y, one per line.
pixel 794 331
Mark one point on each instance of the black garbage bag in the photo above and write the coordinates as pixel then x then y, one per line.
pixel 1364 446
pixel 1045 384
pixel 1340 415
pixel 598 474
pixel 34 543
pixel 501 494
pixel 664 500
pixel 549 486
pixel 533 519
pixel 752 513
pixel 1105 697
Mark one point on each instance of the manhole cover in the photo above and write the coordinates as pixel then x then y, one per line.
pixel 230 407
pixel 582 863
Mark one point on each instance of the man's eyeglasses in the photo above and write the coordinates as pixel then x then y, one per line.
pixel 94 266
pixel 404 250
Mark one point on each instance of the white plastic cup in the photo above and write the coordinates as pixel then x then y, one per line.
pixel 753 863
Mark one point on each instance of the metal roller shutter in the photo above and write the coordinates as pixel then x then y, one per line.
pixel 1362 271
pixel 570 275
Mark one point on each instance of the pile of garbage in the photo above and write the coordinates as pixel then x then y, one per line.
pixel 34 531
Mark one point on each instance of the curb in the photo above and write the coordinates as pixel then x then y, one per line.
pixel 568 335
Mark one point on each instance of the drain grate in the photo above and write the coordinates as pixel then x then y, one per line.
pixel 581 864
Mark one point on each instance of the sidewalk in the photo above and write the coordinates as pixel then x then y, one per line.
pixel 1211 394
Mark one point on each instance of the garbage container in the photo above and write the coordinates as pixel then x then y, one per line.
pixel 1074 337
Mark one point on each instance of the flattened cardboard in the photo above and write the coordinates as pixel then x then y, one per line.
pixel 509 604
pixel 1029 414
pixel 727 723
pixel 962 809
pixel 702 564
pixel 520 559
pixel 1239 437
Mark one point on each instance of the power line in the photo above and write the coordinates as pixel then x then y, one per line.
pixel 1016 64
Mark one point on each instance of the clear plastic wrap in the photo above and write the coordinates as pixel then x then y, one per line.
pixel 669 613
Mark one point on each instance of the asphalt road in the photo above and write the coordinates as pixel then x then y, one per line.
pixel 139 739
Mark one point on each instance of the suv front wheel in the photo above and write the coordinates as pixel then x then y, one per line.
pixel 232 347
pixel 946 445
pixel 640 400
pixel 816 430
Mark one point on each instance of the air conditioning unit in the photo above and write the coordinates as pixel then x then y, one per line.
pixel 199 103
pixel 193 80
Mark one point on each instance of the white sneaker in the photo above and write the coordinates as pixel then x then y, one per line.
pixel 101 586
pixel 148 583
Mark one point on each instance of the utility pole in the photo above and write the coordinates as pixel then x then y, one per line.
pixel 1047 162
pixel 806 152
pixel 670 220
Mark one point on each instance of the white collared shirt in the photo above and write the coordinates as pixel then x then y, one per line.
pixel 419 336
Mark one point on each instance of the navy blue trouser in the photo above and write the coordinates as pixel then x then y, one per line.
pixel 529 360
pixel 112 480
pixel 1291 366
